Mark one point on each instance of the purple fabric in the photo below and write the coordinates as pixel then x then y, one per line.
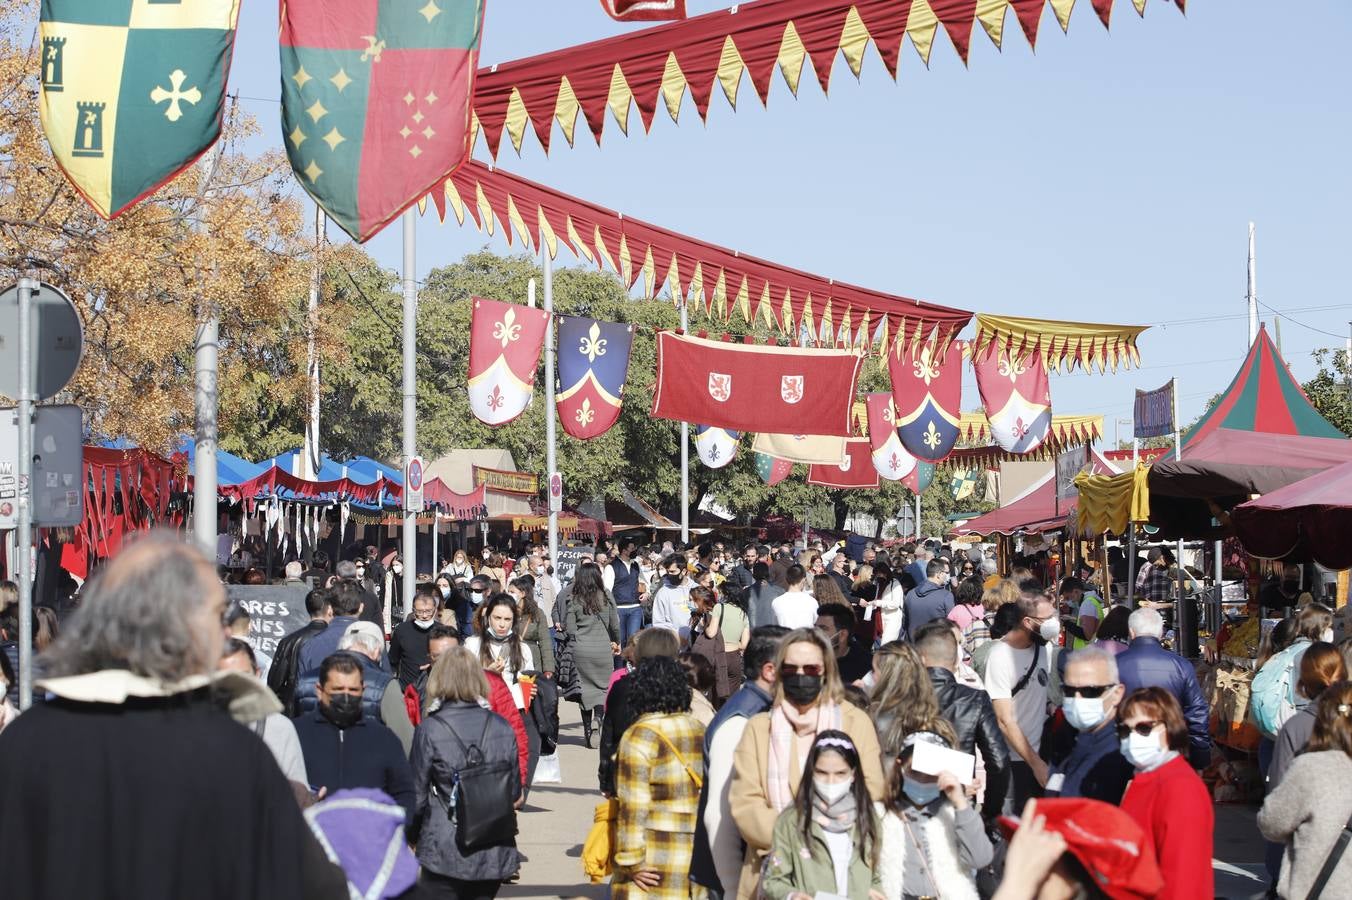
pixel 362 830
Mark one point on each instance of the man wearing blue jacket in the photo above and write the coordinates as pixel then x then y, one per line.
pixel 1145 663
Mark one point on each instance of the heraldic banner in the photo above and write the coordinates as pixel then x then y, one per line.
pixel 716 446
pixel 505 340
pixel 801 448
pixel 644 10
pixel 593 364
pixel 780 390
pixel 855 470
pixel 376 101
pixel 132 91
pixel 890 458
pixel 771 470
pixel 928 394
pixel 1018 398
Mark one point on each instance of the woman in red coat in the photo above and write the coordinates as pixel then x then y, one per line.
pixel 1166 798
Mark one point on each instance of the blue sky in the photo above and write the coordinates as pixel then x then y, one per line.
pixel 1109 177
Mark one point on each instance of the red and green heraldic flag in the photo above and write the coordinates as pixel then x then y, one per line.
pixel 376 101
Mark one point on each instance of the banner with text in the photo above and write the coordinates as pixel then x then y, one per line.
pixel 507 482
pixel 1155 412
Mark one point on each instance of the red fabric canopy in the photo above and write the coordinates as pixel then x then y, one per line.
pixel 1310 519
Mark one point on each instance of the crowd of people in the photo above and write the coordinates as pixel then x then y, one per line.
pixel 780 722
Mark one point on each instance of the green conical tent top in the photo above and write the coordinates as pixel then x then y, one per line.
pixel 1264 397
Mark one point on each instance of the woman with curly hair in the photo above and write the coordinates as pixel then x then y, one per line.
pixel 660 773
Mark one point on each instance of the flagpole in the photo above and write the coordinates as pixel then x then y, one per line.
pixel 1131 526
pixel 1253 291
pixel 1184 624
pixel 206 369
pixel 311 453
pixel 410 537
pixel 551 435
pixel 685 454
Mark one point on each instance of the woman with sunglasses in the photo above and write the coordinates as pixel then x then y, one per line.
pixel 827 842
pixel 770 762
pixel 1166 797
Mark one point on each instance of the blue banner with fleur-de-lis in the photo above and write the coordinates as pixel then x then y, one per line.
pixel 593 364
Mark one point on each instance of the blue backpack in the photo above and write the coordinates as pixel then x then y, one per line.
pixel 1272 694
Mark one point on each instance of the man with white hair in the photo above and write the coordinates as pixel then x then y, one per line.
pixel 294 572
pixel 918 569
pixel 1145 663
pixel 1095 768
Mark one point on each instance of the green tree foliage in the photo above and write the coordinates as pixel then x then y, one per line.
pixel 1329 391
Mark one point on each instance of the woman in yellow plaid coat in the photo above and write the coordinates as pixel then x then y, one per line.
pixel 660 769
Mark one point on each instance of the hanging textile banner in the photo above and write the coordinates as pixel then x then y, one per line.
pixel 1060 345
pixel 810 449
pixel 890 458
pixel 1154 415
pixel 376 101
pixel 854 471
pixel 920 478
pixel 964 483
pixel 1065 429
pixel 772 470
pixel 716 446
pixel 504 482
pixel 593 364
pixel 927 388
pixel 505 340
pixel 644 10
pixel 725 281
pixel 1017 396
pixel 754 388
pixel 132 93
pixel 652 69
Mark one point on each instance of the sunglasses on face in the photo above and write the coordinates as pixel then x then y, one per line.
pixel 813 669
pixel 1092 691
pixel 1144 728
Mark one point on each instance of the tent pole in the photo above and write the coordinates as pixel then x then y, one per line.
pixel 551 435
pixel 685 454
pixel 1131 530
pixel 1184 621
pixel 410 541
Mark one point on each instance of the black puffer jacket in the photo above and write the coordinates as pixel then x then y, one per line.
pixel 973 718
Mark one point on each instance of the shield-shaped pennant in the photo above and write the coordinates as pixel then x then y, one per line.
pixel 771 469
pixel 376 101
pixel 716 446
pixel 132 91
pixel 927 390
pixel 920 478
pixel 890 458
pixel 593 364
pixel 1017 395
pixel 854 471
pixel 505 340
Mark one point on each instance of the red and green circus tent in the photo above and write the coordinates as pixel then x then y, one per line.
pixel 1264 397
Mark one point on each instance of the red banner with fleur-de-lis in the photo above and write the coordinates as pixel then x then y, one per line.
pixel 890 458
pixel 505 340
pixel 1017 395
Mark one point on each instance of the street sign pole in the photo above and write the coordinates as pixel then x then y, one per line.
pixel 24 472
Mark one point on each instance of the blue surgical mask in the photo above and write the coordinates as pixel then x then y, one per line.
pixel 1084 713
pixel 921 793
pixel 1143 752
pixel 476 597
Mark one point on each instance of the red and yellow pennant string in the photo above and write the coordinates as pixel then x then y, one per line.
pixel 1068 430
pixel 657 66
pixel 722 280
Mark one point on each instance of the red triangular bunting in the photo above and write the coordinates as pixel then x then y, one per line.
pixel 1104 8
pixel 958 19
pixel 886 22
pixel 1029 13
pixel 820 32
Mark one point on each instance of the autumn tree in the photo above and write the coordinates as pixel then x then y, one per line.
pixel 226 234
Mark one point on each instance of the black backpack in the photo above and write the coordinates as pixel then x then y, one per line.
pixel 481 803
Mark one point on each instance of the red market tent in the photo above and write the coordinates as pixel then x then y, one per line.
pixel 1310 519
pixel 1035 510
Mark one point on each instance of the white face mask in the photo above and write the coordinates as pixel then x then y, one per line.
pixel 1084 713
pixel 1142 752
pixel 1327 636
pixel 419 623
pixel 831 791
pixel 476 597
pixel 397 569
pixel 1050 630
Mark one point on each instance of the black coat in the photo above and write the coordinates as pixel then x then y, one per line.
pixel 973 718
pixel 156 798
pixel 620 715
pixel 366 755
pixel 286 661
pixel 408 652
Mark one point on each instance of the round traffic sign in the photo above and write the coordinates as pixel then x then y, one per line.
pixel 415 474
pixel 57 342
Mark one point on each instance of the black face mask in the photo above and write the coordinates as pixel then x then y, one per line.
pixel 343 710
pixel 674 580
pixel 802 689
